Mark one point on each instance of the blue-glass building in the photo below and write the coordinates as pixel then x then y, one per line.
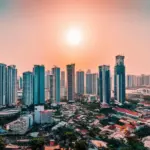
pixel 119 79
pixel 71 82
pixel 3 73
pixel 28 88
pixel 38 84
pixel 56 73
pixel 11 95
pixel 88 82
pixel 104 84
pixel 80 82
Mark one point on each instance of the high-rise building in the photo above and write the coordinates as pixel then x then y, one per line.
pixel 28 88
pixel 3 73
pixel 88 82
pixel 11 85
pixel 91 83
pixel 71 82
pixel 56 73
pixel 47 73
pixel 80 82
pixel 62 84
pixel 104 84
pixel 119 79
pixel 20 83
pixel 94 84
pixel 38 84
pixel 47 85
pixel 52 88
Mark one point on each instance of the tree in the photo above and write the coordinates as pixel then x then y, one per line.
pixel 135 144
pixel 80 145
pixel 2 143
pixel 143 132
pixel 37 143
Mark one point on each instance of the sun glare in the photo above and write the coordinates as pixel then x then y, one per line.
pixel 74 36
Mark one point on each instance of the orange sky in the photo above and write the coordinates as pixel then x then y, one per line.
pixel 33 32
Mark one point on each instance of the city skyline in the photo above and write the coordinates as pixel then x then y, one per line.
pixel 34 30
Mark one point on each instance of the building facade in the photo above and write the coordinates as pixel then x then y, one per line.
pixel 119 79
pixel 20 83
pixel 56 73
pixel 80 82
pixel 52 88
pixel 3 79
pixel 94 84
pixel 104 83
pixel 62 85
pixel 38 84
pixel 11 95
pixel 71 82
pixel 28 88
pixel 88 82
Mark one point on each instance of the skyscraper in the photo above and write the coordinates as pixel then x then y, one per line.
pixel 88 82
pixel 38 84
pixel 52 88
pixel 47 85
pixel 20 83
pixel 56 73
pixel 119 79
pixel 80 82
pixel 62 84
pixel 11 85
pixel 104 83
pixel 3 73
pixel 47 73
pixel 28 88
pixel 71 82
pixel 94 83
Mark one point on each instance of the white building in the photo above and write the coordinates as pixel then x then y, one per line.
pixel 21 125
pixel 42 116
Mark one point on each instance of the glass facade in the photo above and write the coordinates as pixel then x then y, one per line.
pixel 119 80
pixel 28 88
pixel 104 84
pixel 80 82
pixel 56 73
pixel 38 84
pixel 71 82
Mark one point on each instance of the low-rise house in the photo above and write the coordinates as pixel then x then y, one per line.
pixel 96 145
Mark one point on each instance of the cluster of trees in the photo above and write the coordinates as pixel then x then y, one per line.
pixel 133 143
pixel 107 111
pixel 143 132
pixel 37 143
pixel 2 143
pixel 66 135
pixel 93 132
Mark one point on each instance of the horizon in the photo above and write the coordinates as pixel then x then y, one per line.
pixel 34 32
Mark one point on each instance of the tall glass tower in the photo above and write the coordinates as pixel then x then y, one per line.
pixel 3 73
pixel 71 82
pixel 38 84
pixel 11 85
pixel 88 82
pixel 104 84
pixel 28 88
pixel 119 79
pixel 62 85
pixel 56 73
pixel 80 82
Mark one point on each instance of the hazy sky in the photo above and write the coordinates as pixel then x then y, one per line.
pixel 33 32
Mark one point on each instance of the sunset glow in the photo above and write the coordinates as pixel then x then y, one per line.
pixel 74 36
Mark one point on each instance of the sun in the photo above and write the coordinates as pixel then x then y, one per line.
pixel 74 36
